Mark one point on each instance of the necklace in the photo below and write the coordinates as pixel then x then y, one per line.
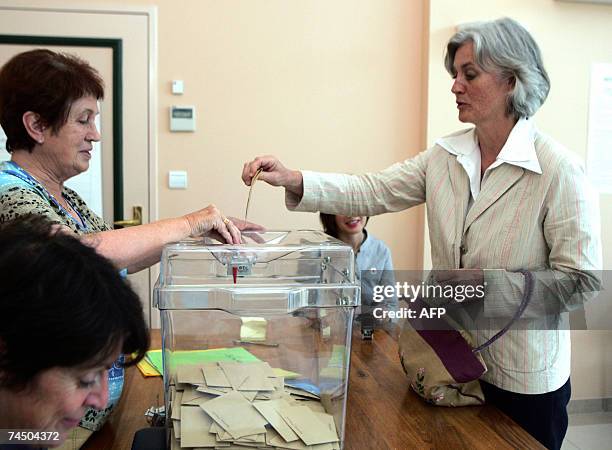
pixel 69 208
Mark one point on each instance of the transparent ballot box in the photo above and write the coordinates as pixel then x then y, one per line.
pixel 256 340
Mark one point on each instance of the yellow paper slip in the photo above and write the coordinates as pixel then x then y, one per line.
pixel 287 374
pixel 147 369
pixel 253 329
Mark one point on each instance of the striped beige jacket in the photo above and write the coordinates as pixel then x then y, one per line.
pixel 547 223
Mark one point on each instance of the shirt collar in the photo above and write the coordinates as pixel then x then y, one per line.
pixel 519 149
pixel 462 142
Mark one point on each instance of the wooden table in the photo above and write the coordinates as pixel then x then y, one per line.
pixel 382 411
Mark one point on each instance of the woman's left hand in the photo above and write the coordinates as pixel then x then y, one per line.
pixel 210 221
pixel 246 226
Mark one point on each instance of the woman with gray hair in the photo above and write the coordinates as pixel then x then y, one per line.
pixel 501 197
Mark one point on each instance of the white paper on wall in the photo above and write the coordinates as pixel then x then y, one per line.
pixel 599 137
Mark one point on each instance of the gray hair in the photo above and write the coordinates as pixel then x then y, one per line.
pixel 503 46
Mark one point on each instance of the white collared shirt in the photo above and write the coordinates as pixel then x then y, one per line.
pixel 519 150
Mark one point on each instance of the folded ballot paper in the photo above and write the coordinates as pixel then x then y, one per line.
pixel 229 404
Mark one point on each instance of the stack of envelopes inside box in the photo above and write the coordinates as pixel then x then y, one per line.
pixel 230 405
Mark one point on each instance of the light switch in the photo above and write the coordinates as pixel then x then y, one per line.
pixel 177 179
pixel 177 87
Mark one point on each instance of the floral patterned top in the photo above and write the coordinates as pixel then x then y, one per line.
pixel 21 194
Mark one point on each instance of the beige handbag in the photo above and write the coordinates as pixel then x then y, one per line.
pixel 442 365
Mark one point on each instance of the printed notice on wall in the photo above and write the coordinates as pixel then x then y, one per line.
pixel 599 150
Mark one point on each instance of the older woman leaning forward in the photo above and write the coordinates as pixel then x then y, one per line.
pixel 500 197
pixel 48 105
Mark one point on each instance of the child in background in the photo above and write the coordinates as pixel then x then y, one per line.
pixel 373 263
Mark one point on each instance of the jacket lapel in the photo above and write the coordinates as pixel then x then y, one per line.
pixel 498 182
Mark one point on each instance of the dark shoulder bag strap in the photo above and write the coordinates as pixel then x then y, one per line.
pixel 527 293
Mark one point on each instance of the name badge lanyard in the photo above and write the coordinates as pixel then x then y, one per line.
pixel 24 176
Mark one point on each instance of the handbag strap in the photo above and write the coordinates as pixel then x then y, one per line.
pixel 527 293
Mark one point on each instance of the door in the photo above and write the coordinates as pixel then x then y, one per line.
pixel 134 89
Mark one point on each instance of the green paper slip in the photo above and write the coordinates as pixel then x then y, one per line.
pixel 237 354
pixel 336 365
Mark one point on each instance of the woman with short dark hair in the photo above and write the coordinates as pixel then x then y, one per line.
pixel 46 83
pixel 66 316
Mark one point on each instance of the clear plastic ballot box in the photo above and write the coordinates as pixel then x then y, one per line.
pixel 256 340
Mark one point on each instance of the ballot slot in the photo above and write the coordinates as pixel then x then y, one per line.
pixel 282 259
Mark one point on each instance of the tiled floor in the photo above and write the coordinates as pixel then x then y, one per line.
pixel 589 432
